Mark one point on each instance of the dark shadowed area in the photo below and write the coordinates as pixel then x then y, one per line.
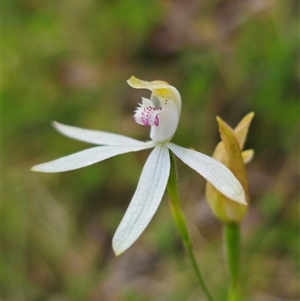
pixel 68 61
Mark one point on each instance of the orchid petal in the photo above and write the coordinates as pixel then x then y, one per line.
pixel 146 199
pixel 93 136
pixel 88 157
pixel 147 113
pixel 213 171
pixel 241 130
pixel 247 155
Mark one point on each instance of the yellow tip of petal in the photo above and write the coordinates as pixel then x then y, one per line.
pixel 117 253
pixel 134 82
pixel 142 84
pixel 247 155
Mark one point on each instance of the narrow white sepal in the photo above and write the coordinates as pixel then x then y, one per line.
pixel 146 199
pixel 213 171
pixel 88 157
pixel 93 136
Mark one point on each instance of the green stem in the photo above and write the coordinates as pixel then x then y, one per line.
pixel 182 226
pixel 232 249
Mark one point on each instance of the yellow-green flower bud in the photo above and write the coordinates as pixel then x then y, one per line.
pixel 229 152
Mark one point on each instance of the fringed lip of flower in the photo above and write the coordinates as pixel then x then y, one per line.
pixel 147 113
pixel 161 113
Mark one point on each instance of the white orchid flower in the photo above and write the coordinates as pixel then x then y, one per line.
pixel 161 112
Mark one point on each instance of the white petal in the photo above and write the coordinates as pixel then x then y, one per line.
pixel 146 199
pixel 88 157
pixel 213 171
pixel 93 136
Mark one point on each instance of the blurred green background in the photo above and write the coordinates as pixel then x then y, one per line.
pixel 68 61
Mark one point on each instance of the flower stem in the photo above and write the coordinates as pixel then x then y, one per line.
pixel 182 226
pixel 232 249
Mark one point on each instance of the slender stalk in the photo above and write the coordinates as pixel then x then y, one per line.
pixel 182 226
pixel 232 250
